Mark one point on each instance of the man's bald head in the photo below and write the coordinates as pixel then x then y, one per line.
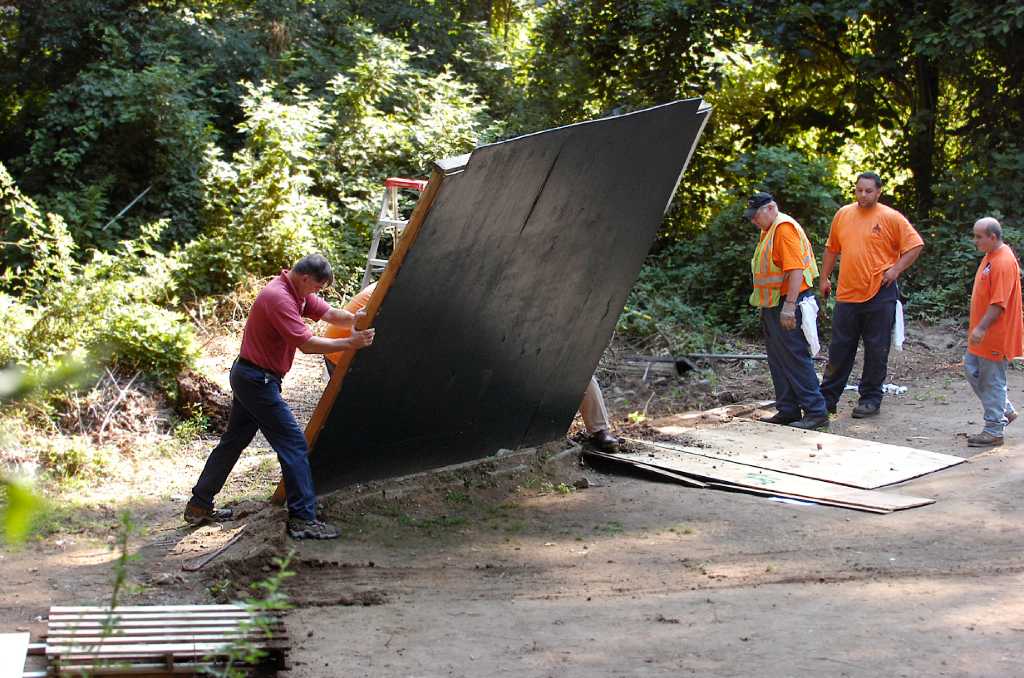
pixel 990 226
pixel 988 234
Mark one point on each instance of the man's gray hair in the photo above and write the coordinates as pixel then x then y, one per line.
pixel 991 226
pixel 315 265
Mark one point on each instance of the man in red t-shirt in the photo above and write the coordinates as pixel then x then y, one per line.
pixel 273 331
pixel 995 331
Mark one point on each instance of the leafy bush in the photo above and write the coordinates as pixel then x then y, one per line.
pixel 259 211
pixel 107 308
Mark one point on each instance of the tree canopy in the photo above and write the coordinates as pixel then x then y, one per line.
pixel 256 129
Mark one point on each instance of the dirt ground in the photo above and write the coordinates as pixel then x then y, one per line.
pixel 505 568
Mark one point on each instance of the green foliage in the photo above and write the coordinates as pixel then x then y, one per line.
pixel 107 308
pixel 74 458
pixel 258 208
pixel 18 506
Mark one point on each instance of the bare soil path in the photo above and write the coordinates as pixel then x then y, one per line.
pixel 506 570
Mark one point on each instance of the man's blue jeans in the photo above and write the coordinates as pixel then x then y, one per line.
pixel 988 379
pixel 258 406
pixel 872 321
pixel 791 366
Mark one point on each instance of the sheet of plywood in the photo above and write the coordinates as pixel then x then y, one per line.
pixel 497 314
pixel 705 468
pixel 13 648
pixel 812 454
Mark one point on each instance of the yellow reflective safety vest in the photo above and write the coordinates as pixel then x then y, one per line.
pixel 768 277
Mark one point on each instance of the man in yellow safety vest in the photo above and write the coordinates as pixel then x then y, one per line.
pixel 783 271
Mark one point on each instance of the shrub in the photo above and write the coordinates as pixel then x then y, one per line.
pixel 258 210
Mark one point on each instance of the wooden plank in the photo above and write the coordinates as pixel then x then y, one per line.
pixel 153 628
pixel 387 278
pixel 714 415
pixel 69 626
pixel 729 487
pixel 686 480
pixel 13 650
pixel 693 482
pixel 811 454
pixel 140 616
pixel 93 638
pixel 120 609
pixel 140 649
pixel 710 469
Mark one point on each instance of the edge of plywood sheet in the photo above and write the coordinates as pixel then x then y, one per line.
pixel 743 475
pixel 686 480
pixel 405 242
pixel 730 487
pixel 13 651
pixel 716 415
pixel 854 462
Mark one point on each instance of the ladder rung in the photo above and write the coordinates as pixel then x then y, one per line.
pixel 393 223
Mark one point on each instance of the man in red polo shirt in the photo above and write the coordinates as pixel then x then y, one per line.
pixel 994 336
pixel 273 331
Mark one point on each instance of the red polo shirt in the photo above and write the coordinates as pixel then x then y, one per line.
pixel 275 328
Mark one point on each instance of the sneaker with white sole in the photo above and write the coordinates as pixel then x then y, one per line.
pixel 311 529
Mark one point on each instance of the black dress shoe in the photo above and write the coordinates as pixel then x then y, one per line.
pixel 865 410
pixel 812 422
pixel 603 440
pixel 781 418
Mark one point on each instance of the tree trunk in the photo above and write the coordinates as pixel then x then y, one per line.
pixel 922 134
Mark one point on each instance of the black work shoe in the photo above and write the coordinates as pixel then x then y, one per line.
pixel 604 440
pixel 781 418
pixel 831 408
pixel 809 422
pixel 865 410
pixel 311 529
pixel 197 515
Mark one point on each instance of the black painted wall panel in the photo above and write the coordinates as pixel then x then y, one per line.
pixel 501 310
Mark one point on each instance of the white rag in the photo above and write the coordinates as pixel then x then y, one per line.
pixel 898 328
pixel 809 323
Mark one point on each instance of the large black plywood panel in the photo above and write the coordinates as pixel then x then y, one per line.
pixel 499 313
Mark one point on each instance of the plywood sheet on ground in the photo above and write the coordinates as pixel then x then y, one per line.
pixel 501 308
pixel 692 463
pixel 812 454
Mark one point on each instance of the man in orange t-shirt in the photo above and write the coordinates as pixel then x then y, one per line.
pixel 876 244
pixel 995 331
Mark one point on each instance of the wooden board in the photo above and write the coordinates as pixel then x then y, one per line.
pixel 13 650
pixel 685 480
pixel 496 316
pixel 716 485
pixel 742 475
pixel 812 454
pixel 88 639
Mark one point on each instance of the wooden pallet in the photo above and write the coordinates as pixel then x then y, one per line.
pixel 159 639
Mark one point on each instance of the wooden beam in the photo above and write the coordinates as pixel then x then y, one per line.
pixel 405 242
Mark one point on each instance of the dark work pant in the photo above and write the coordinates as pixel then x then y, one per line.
pixel 791 366
pixel 258 406
pixel 870 321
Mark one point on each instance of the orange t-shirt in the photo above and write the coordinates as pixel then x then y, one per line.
pixel 998 282
pixel 870 242
pixel 787 253
pixel 354 305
